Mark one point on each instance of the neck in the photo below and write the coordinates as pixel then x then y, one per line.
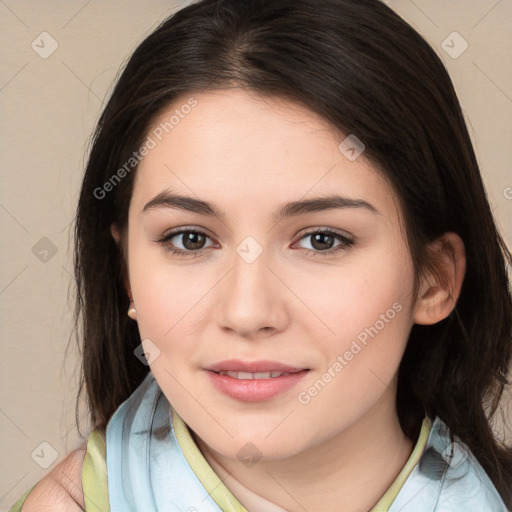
pixel 350 471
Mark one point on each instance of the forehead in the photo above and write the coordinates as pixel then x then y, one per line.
pixel 237 148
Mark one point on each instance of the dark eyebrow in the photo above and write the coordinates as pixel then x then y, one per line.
pixel 167 199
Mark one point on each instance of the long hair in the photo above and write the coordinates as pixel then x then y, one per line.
pixel 367 72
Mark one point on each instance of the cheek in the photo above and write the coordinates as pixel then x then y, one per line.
pixel 367 309
pixel 173 302
pixel 165 304
pixel 366 291
pixel 157 293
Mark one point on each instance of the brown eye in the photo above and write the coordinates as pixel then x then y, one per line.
pixel 192 241
pixel 323 240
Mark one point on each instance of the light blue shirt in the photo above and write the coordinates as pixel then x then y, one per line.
pixel 147 471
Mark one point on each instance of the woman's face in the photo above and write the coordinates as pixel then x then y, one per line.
pixel 293 261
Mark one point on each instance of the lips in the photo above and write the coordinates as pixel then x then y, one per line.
pixel 254 381
pixel 256 375
pixel 253 367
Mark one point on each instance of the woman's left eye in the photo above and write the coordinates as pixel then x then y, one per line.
pixel 193 242
pixel 326 237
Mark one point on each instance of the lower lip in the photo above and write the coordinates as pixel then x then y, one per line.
pixel 255 390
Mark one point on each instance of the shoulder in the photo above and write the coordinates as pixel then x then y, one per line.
pixel 61 489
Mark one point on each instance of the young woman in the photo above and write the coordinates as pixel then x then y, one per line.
pixel 292 292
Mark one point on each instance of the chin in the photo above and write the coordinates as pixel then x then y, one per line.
pixel 257 445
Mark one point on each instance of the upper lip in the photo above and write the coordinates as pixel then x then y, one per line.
pixel 262 366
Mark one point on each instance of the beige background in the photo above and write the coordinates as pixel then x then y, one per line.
pixel 48 111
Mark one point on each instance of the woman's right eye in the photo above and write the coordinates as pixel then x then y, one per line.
pixel 192 241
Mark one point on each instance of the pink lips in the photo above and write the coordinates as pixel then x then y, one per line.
pixel 236 365
pixel 255 389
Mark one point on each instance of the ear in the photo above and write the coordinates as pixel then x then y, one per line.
pixel 439 290
pixel 114 232
pixel 117 237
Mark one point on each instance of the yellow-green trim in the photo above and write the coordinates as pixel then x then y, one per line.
pixel 385 502
pixel 228 503
pixel 94 474
pixel 207 476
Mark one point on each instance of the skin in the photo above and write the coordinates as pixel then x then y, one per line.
pixel 61 489
pixel 248 155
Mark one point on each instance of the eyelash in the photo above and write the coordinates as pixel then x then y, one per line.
pixel 346 243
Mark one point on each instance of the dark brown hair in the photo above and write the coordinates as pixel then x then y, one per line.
pixel 367 72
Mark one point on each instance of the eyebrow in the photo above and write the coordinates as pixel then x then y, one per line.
pixel 167 199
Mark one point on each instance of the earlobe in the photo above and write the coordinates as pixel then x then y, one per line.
pixel 116 236
pixel 114 232
pixel 440 289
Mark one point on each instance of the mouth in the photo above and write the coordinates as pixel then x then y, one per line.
pixel 254 381
pixel 254 367
pixel 257 375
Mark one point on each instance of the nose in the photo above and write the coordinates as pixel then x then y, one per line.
pixel 252 299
